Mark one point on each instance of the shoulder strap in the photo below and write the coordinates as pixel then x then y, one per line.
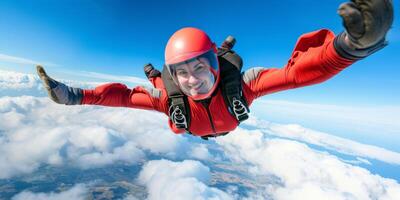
pixel 231 83
pixel 179 111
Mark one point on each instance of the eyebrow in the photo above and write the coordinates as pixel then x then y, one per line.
pixel 179 67
pixel 198 64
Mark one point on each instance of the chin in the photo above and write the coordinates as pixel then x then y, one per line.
pixel 195 93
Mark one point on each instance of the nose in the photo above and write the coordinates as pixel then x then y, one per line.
pixel 193 80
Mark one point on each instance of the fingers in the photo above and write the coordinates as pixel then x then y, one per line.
pixel 42 75
pixel 40 71
pixel 352 19
pixel 47 80
pixel 345 9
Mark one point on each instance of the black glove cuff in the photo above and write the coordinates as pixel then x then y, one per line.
pixel 75 96
pixel 67 95
pixel 354 53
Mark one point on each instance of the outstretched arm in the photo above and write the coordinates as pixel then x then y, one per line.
pixel 59 92
pixel 320 55
pixel 119 95
pixel 313 61
pixel 112 94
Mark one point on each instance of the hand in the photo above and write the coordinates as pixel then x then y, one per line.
pixel 59 92
pixel 366 22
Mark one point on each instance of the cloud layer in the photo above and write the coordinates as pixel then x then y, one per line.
pixel 383 119
pixel 331 142
pixel 78 192
pixel 18 84
pixel 36 132
pixel 179 180
pixel 302 171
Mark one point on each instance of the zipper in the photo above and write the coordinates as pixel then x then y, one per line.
pixel 206 104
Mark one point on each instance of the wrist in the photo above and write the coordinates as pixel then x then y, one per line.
pixel 76 96
pixel 347 49
pixel 67 95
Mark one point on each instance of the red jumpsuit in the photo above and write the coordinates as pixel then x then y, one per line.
pixel 313 60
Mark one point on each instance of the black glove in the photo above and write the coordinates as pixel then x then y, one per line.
pixel 59 92
pixel 366 23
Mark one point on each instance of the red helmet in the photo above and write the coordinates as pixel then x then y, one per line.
pixel 191 59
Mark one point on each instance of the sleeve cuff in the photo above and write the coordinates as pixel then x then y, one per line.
pixel 355 54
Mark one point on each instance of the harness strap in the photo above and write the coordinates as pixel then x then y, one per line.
pixel 232 83
pixel 179 111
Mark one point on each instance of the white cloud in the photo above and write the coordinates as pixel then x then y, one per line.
pixel 25 61
pixel 370 119
pixel 127 153
pixel 15 80
pixel 17 84
pixel 178 180
pixel 77 192
pixel 350 147
pixel 130 197
pixel 304 172
pixel 35 131
pixel 200 151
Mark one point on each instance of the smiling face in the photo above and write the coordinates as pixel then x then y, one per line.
pixel 195 77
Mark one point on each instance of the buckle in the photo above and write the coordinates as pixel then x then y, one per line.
pixel 178 118
pixel 240 111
